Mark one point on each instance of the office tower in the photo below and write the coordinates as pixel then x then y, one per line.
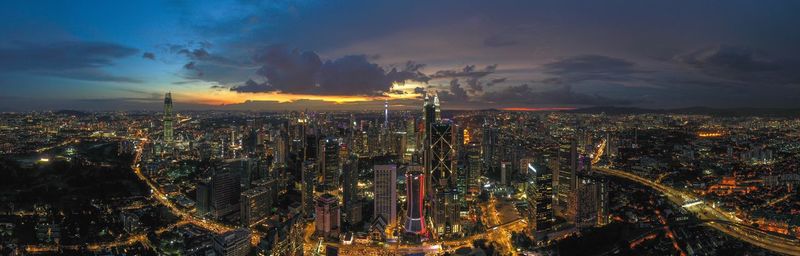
pixel 592 201
pixel 327 215
pixel 225 192
pixel 203 193
pixel 566 180
pixel 441 155
pixel 280 149
pixel 505 172
pixel 539 193
pixel 350 186
pixel 474 165
pixel 411 139
pixel 415 193
pixel 489 150
pixel 386 114
pixel 430 112
pixel 232 243
pixel 525 165
pixel 385 185
pixel 168 118
pixel 255 204
pixel 441 167
pixel 309 176
pixel 328 163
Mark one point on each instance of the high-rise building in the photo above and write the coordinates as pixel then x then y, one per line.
pixel 168 118
pixel 539 193
pixel 309 177
pixel 566 181
pixel 225 192
pixel 203 193
pixel 441 163
pixel 233 243
pixel 474 166
pixel 415 193
pixel 592 201
pixel 385 185
pixel 328 164
pixel 255 204
pixel 327 215
pixel 489 150
pixel 350 186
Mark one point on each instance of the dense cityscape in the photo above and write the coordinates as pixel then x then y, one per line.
pixel 405 182
pixel 399 128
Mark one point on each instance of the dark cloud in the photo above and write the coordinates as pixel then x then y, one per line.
pixel 352 75
pixel 741 64
pixel 496 81
pixel 94 75
pixel 295 71
pixel 149 55
pixel 192 67
pixel 470 74
pixel 499 41
pixel 455 94
pixel 253 86
pixel 61 55
pixel 564 95
pixel 591 67
pixel 410 72
pixel 71 60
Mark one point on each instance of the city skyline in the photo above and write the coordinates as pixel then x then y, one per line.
pixel 352 55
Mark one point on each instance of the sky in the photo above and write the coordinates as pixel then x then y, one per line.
pixel 305 54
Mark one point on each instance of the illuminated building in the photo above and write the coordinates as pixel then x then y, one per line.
pixel 328 164
pixel 415 193
pixel 350 186
pixel 539 194
pixel 225 192
pixel 168 118
pixel 592 201
pixel 233 243
pixel 309 177
pixel 385 185
pixel 255 205
pixel 327 215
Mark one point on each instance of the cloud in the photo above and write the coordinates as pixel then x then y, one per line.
pixel 149 55
pixel 94 75
pixel 295 71
pixel 61 55
pixel 741 64
pixel 66 59
pixel 470 73
pixel 564 95
pixel 455 94
pixel 499 41
pixel 591 67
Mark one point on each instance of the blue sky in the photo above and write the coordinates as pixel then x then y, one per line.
pixel 275 55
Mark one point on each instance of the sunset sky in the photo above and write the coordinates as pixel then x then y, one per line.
pixel 276 55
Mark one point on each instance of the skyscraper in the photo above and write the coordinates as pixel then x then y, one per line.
pixel 309 171
pixel 327 215
pixel 168 118
pixel 539 193
pixel 328 163
pixel 415 192
pixel 440 165
pixel 233 243
pixel 225 192
pixel 385 186
pixel 350 186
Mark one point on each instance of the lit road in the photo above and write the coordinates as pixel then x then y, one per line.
pixel 162 198
pixel 715 218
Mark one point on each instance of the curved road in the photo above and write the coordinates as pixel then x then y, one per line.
pixel 714 217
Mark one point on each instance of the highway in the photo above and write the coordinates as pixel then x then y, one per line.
pixel 716 219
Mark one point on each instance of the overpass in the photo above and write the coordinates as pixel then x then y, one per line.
pixel 715 218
